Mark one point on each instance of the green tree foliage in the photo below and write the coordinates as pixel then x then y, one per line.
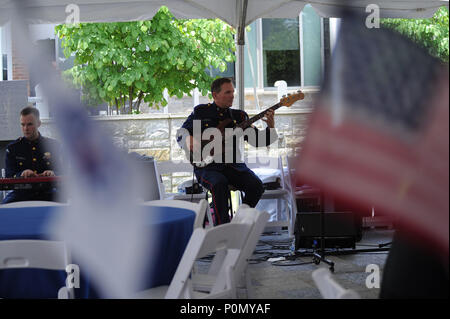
pixel 430 33
pixel 130 62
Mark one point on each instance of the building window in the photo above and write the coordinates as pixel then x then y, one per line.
pixel 292 50
pixel 281 51
pixel 311 39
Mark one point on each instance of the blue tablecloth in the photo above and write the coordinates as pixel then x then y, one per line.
pixel 174 229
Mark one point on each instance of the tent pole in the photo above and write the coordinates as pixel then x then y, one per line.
pixel 240 77
pixel 242 10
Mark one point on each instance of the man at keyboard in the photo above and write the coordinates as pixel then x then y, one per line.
pixel 30 156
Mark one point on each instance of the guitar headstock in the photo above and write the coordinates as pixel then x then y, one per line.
pixel 288 100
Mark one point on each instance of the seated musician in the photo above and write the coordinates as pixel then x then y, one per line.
pixel 32 155
pixel 218 175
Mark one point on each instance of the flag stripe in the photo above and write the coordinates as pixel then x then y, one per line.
pixel 372 150
pixel 392 184
pixel 345 182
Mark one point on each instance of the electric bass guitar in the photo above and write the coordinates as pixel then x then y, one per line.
pixel 200 162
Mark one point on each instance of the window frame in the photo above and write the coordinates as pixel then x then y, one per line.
pixel 259 56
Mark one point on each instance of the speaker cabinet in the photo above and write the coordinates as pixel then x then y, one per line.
pixel 340 230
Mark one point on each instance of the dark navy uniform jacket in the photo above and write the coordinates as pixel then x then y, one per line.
pixel 39 155
pixel 210 115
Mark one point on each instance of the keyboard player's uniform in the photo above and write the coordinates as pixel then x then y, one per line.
pixel 39 155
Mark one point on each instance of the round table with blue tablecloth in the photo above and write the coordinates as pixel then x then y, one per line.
pixel 174 228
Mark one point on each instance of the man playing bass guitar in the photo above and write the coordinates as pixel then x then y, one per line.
pixel 227 167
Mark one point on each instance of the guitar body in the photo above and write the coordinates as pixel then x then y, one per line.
pixel 209 158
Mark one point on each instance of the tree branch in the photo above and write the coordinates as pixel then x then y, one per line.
pixel 138 103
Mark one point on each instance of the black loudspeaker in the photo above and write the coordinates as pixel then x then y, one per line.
pixel 340 230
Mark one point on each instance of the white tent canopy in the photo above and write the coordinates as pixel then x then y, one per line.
pixel 230 11
pixel 237 13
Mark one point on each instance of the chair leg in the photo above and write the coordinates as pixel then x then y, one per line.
pixel 292 216
pixel 209 217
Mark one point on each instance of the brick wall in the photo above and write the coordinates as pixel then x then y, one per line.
pixel 19 67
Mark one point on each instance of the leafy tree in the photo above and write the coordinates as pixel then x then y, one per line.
pixel 430 33
pixel 135 61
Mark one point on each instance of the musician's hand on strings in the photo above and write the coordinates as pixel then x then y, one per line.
pixel 268 118
pixel 28 173
pixel 47 173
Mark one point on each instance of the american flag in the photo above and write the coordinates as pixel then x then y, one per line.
pixel 379 135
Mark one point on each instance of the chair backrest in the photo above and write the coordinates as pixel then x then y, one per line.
pixel 42 254
pixel 145 176
pixel 230 238
pixel 329 288
pixel 32 203
pixel 39 254
pixel 257 221
pixel 199 208
pixel 170 167
pixel 268 164
pixel 263 162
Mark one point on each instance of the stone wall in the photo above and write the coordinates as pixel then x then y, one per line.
pixel 154 134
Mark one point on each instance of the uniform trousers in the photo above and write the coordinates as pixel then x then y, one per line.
pixel 216 180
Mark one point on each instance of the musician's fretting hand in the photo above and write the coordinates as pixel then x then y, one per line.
pixel 28 173
pixel 268 118
pixel 47 173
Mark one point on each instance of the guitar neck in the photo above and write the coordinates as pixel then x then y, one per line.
pixel 257 117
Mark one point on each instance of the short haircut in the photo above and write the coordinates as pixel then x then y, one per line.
pixel 217 84
pixel 30 110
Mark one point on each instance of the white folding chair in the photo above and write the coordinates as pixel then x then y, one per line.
pixel 40 254
pixel 289 180
pixel 171 167
pixel 295 193
pixel 199 208
pixel 229 238
pixel 329 288
pixel 32 203
pixel 280 195
pixel 257 221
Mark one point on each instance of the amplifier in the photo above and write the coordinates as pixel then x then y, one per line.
pixel 340 230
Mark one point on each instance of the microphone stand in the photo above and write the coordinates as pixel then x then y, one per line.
pixel 320 256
